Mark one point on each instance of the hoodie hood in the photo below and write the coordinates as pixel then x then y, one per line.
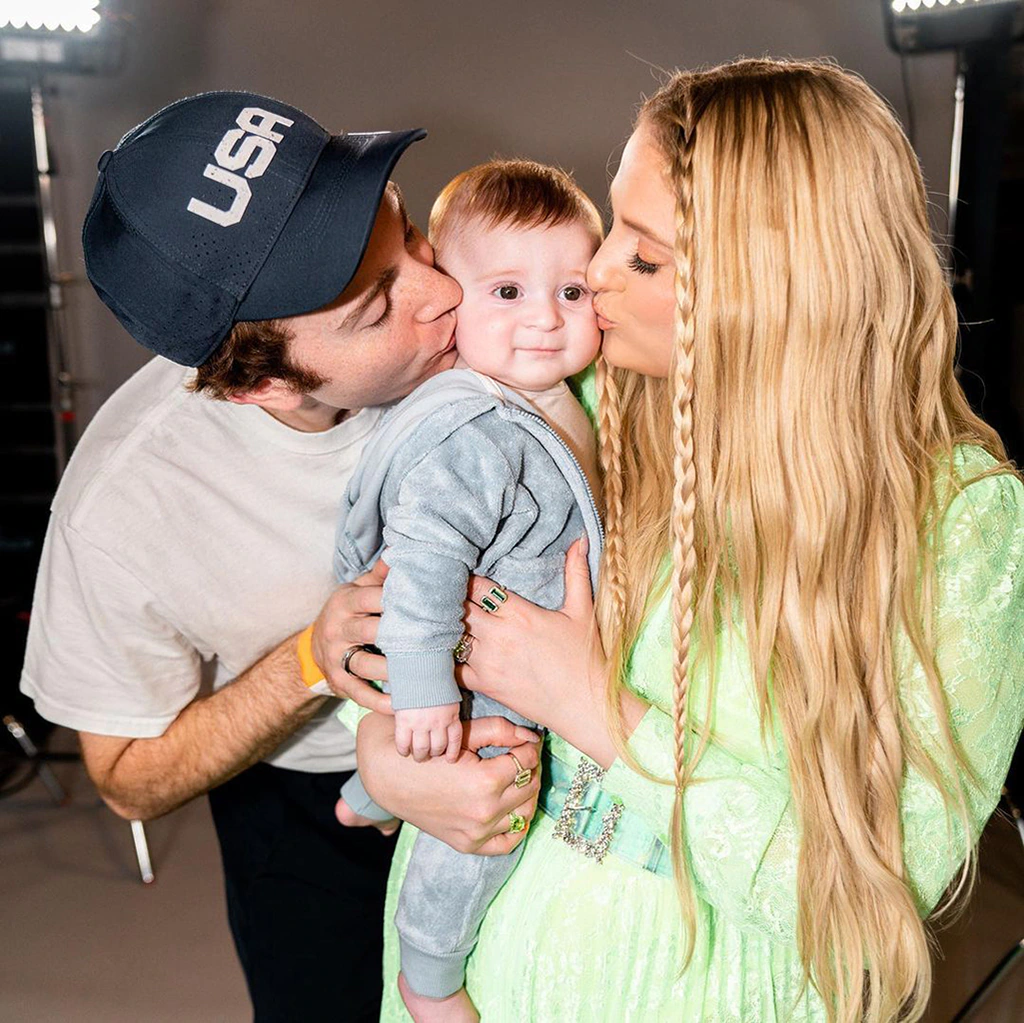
pixel 434 411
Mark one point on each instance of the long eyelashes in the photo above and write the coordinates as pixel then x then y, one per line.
pixel 385 316
pixel 641 266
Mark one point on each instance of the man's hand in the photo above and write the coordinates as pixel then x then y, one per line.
pixel 427 732
pixel 350 618
pixel 466 804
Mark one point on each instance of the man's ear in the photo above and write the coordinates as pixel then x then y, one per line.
pixel 271 394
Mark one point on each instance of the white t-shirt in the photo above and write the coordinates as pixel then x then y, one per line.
pixel 189 537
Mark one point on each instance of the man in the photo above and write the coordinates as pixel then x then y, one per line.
pixel 191 536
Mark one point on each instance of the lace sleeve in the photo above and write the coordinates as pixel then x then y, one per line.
pixel 980 647
pixel 741 830
pixel 350 714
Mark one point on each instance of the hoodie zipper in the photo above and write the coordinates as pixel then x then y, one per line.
pixel 519 410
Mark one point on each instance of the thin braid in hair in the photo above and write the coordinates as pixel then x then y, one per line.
pixel 614 611
pixel 684 560
pixel 609 431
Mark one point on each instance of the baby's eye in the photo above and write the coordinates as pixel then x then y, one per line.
pixel 508 292
pixel 573 293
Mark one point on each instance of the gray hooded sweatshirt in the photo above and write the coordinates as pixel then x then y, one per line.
pixel 462 476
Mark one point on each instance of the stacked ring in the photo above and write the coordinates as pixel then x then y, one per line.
pixel 463 649
pixel 523 774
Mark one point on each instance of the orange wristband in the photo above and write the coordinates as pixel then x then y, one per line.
pixel 312 676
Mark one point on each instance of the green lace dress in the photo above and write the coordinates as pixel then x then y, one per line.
pixel 569 939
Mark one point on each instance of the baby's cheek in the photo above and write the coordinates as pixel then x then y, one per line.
pixel 467 329
pixel 591 332
pixel 498 327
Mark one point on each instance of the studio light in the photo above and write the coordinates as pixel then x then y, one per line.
pixel 50 15
pixel 38 38
pixel 916 26
pixel 913 26
pixel 60 35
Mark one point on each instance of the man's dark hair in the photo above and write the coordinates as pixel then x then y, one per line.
pixel 253 351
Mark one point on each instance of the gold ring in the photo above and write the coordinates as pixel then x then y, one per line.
pixel 516 823
pixel 494 598
pixel 463 649
pixel 523 774
pixel 347 659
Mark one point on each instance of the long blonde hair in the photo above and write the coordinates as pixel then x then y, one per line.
pixel 789 463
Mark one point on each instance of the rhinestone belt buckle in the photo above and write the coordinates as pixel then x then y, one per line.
pixel 565 826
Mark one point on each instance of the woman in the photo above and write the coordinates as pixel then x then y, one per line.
pixel 811 601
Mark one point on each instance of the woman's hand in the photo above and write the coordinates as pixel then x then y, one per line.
pixel 349 618
pixel 465 804
pixel 537 662
pixel 547 665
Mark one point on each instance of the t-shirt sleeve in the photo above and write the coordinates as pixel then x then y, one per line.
pixel 102 655
pixel 741 828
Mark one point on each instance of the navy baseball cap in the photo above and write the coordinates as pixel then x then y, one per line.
pixel 230 206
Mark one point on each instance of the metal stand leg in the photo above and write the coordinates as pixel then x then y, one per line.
pixel 60 796
pixel 955 147
pixel 31 751
pixel 142 852
pixel 990 983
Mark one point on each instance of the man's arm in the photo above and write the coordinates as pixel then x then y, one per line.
pixel 216 737
pixel 213 738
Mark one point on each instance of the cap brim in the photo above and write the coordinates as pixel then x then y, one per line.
pixel 322 243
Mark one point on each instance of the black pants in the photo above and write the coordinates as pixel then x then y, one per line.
pixel 305 896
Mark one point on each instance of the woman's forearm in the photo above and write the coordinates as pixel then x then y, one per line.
pixel 584 722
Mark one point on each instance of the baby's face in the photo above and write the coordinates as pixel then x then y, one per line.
pixel 526 316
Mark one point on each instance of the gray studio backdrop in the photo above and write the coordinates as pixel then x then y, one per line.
pixel 555 81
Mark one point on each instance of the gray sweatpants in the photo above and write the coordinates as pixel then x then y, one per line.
pixel 445 893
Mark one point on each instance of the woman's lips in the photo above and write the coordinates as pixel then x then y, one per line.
pixel 603 322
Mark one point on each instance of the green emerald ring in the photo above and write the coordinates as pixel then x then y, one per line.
pixel 516 823
pixel 495 597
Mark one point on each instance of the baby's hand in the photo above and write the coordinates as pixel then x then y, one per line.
pixel 428 732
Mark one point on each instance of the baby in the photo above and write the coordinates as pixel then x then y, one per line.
pixel 488 468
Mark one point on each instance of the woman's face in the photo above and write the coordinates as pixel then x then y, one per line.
pixel 633 272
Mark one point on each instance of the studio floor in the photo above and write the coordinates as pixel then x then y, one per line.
pixel 84 941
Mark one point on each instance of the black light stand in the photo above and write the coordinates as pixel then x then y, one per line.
pixel 37 388
pixel 982 33
pixel 984 273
